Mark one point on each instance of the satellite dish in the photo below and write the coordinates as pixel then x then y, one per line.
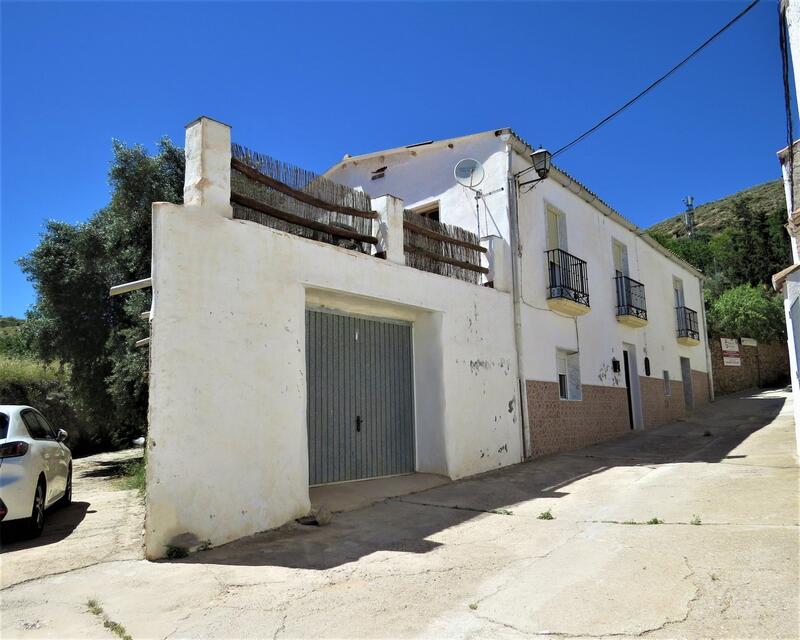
pixel 469 173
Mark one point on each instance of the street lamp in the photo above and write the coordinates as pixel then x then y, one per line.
pixel 541 162
pixel 541 159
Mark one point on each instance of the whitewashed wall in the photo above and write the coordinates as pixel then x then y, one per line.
pixel 227 441
pixel 428 176
pixel 599 335
pixel 423 175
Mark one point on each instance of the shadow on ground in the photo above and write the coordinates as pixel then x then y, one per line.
pixel 708 436
pixel 60 522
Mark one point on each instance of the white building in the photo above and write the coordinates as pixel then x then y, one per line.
pixel 563 228
pixel 788 280
pixel 279 361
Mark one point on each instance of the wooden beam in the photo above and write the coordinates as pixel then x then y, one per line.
pixel 435 235
pixel 337 232
pixel 435 256
pixel 131 286
pixel 302 196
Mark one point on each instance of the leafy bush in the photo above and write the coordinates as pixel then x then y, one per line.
pixel 749 311
pixel 75 321
pixel 27 381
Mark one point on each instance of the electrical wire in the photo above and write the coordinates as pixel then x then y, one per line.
pixel 659 81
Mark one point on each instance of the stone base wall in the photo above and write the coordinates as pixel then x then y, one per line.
pixel 658 407
pixel 700 389
pixel 563 425
pixel 766 365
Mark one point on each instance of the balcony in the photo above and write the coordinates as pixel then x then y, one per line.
pixel 688 333
pixel 568 285
pixel 631 303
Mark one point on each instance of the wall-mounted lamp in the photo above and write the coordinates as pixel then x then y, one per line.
pixel 541 160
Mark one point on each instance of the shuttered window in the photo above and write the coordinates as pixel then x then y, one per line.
pixel 556 229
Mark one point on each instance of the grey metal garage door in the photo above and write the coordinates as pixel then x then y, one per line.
pixel 360 397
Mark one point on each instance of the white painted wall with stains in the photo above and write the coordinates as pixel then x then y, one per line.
pixel 227 444
pixel 424 174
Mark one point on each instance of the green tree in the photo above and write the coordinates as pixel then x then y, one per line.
pixel 749 311
pixel 74 320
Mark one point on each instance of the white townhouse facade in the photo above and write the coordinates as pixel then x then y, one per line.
pixel 612 324
pixel 302 333
pixel 787 281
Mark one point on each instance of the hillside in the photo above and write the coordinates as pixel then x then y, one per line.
pixel 714 217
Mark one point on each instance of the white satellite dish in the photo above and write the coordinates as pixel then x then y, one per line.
pixel 469 173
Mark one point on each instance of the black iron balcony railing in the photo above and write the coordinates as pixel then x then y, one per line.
pixel 567 277
pixel 630 297
pixel 687 323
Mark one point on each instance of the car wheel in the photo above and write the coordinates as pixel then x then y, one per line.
pixel 67 497
pixel 36 522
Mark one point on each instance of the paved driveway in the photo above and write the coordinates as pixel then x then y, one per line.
pixel 473 559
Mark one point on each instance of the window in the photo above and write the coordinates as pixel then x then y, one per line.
pixel 569 375
pixel 430 210
pixel 3 426
pixel 46 425
pixel 556 229
pixel 677 287
pixel 667 387
pixel 620 253
pixel 36 429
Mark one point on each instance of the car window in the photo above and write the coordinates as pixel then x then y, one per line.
pixel 46 425
pixel 3 425
pixel 36 429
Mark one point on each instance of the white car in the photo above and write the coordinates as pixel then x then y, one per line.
pixel 35 466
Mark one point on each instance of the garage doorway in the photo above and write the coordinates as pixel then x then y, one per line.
pixel 360 397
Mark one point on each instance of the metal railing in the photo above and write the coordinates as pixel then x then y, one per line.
pixel 630 297
pixel 687 323
pixel 567 277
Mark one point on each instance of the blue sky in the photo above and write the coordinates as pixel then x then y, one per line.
pixel 308 83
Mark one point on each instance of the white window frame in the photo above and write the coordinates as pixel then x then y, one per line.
pixel 561 227
pixel 571 373
pixel 427 208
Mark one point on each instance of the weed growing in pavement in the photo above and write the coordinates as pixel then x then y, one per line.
pixel 546 515
pixel 176 553
pixel 473 606
pixel 114 627
pixel 654 521
pixel 696 520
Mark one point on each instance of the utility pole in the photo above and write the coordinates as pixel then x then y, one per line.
pixel 688 215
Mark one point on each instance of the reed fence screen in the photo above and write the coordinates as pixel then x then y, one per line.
pixel 441 248
pixel 297 201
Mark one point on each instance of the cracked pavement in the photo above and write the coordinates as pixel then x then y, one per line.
pixel 452 562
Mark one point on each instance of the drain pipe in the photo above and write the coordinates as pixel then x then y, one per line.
pixel 706 345
pixel 516 297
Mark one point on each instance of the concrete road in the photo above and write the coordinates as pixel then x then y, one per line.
pixel 104 522
pixel 473 559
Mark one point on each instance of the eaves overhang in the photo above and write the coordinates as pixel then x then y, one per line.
pixel 556 173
